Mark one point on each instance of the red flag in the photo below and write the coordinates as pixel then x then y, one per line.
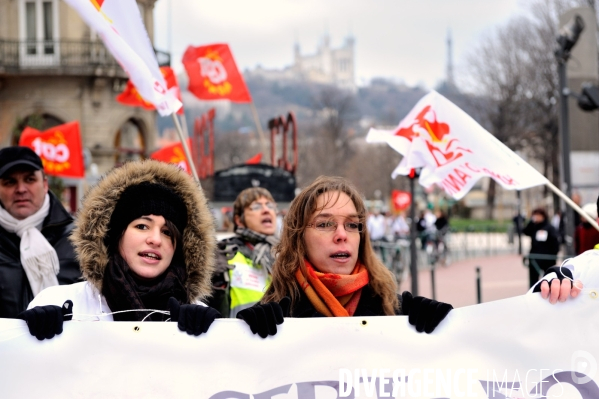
pixel 59 148
pixel 130 96
pixel 255 159
pixel 401 199
pixel 174 154
pixel 213 74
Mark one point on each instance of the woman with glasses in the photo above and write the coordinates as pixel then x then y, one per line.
pixel 325 263
pixel 244 261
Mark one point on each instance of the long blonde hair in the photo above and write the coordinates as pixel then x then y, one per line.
pixel 292 250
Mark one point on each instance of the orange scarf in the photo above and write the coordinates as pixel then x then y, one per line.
pixel 333 294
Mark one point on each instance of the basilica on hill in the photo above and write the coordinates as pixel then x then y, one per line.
pixel 328 65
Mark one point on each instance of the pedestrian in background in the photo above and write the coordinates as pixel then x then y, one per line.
pixel 585 235
pixel 35 252
pixel 544 244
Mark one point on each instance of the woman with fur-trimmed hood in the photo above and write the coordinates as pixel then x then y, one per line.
pixel 145 241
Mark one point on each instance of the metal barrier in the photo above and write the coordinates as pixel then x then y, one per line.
pixel 530 260
pixel 394 255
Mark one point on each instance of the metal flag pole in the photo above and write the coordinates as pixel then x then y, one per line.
pixel 573 205
pixel 186 149
pixel 258 126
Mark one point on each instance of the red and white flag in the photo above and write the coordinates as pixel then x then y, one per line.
pixel 174 153
pixel 119 24
pixel 453 150
pixel 59 148
pixel 213 74
pixel 130 96
pixel 401 199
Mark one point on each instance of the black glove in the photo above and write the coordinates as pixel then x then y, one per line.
pixel 263 319
pixel 193 319
pixel 562 273
pixel 424 313
pixel 45 322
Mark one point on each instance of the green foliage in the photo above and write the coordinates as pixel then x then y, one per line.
pixel 56 185
pixel 478 226
pixel 35 121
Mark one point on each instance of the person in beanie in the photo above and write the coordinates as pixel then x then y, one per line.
pixel 35 252
pixel 244 261
pixel 144 237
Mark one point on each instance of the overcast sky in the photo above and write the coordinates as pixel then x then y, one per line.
pixel 400 39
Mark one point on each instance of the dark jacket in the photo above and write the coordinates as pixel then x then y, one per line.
pixel 543 243
pixel 15 292
pixel 369 305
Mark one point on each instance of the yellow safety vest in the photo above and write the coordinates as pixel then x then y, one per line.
pixel 247 283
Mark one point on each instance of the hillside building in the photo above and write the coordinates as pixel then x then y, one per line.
pixel 332 66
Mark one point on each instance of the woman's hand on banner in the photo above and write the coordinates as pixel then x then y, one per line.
pixel 44 322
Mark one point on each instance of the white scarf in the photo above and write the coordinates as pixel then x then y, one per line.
pixel 38 257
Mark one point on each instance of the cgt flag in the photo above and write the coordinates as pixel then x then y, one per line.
pixel 213 74
pixel 58 147
pixel 453 150
pixel 173 154
pixel 119 24
pixel 401 199
pixel 130 96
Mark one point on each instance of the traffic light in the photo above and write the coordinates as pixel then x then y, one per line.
pixel 588 100
pixel 414 173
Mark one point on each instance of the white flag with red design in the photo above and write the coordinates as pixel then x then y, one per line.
pixel 119 24
pixel 453 150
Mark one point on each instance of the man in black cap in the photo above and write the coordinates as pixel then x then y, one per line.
pixel 35 251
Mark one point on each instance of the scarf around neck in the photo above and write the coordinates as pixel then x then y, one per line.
pixel 125 291
pixel 333 294
pixel 38 257
pixel 263 245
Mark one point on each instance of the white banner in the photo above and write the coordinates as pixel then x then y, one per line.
pixel 453 150
pixel 521 347
pixel 119 24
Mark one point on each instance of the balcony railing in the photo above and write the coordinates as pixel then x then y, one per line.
pixel 62 57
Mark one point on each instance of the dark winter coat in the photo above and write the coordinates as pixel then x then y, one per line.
pixel 541 245
pixel 15 291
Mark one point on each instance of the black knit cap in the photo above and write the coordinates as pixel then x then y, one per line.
pixel 145 199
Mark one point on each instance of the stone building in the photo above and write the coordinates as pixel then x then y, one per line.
pixel 54 67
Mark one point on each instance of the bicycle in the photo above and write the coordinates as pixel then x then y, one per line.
pixel 437 250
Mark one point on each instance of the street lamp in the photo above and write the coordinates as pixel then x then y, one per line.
pixel 566 39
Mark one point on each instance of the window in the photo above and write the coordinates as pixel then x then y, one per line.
pixel 38 30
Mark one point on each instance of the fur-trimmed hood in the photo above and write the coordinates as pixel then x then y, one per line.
pixel 92 221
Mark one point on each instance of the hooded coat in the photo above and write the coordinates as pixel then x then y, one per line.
pixel 91 227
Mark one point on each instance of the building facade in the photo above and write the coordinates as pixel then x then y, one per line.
pixel 54 68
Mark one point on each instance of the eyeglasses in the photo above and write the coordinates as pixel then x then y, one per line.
pixel 257 206
pixel 331 225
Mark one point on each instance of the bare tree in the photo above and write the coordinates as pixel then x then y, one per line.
pixel 336 108
pixel 514 71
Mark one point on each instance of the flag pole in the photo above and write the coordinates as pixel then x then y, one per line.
pixel 186 149
pixel 573 205
pixel 258 126
pixel 183 121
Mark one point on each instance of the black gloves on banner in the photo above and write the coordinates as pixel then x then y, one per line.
pixel 263 319
pixel 424 313
pixel 44 322
pixel 193 319
pixel 561 272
